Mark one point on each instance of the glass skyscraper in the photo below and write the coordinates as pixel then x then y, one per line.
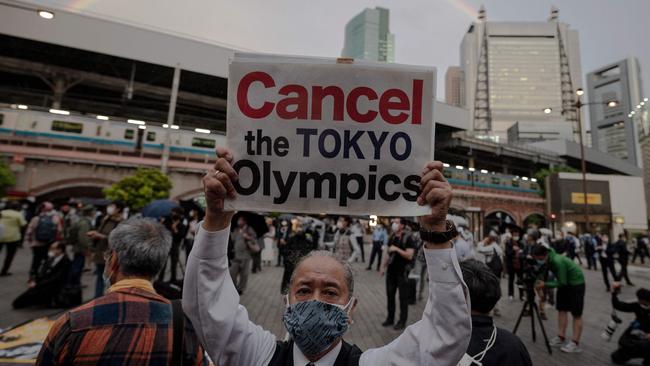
pixel 367 36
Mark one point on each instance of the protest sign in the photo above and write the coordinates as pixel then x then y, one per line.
pixel 312 135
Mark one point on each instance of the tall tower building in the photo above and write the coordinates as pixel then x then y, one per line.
pixel 367 36
pixel 513 71
pixel 615 130
pixel 454 88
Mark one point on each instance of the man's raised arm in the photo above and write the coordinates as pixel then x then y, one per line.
pixel 210 299
pixel 442 335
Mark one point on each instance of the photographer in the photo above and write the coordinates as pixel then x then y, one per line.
pixel 570 284
pixel 635 341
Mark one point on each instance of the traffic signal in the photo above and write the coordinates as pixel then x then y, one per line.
pixel 553 217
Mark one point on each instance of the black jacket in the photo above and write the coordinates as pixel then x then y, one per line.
pixel 507 349
pixel 283 356
pixel 642 315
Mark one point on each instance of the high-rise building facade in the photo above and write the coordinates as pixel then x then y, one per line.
pixel 514 71
pixel 613 129
pixel 367 36
pixel 454 87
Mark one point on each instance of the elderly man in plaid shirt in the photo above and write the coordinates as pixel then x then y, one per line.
pixel 131 324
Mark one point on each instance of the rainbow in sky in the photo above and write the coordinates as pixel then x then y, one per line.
pixel 461 5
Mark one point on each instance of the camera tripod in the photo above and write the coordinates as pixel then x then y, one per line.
pixel 533 311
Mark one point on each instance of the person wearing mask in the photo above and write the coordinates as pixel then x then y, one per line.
pixel 131 324
pixel 342 239
pixel 244 240
pixel 513 263
pixel 463 244
pixel 114 215
pixel 192 226
pixel 606 251
pixel 176 225
pixel 46 286
pixel 269 240
pixel 399 257
pixel 379 239
pixel 81 244
pixel 300 243
pixel 489 345
pixel 590 251
pixel 641 248
pixel 635 341
pixel 623 254
pixel 70 217
pixel 320 304
pixel 573 246
pixel 489 252
pixel 12 222
pixel 282 235
pixel 43 230
pixel 570 284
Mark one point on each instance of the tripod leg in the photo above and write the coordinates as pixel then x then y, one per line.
pixel 541 325
pixel 521 315
pixel 533 311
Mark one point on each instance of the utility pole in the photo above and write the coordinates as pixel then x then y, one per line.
pixel 164 167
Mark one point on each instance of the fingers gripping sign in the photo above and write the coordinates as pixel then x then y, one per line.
pixel 218 185
pixel 435 192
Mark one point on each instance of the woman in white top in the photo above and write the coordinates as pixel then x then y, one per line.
pixel 268 253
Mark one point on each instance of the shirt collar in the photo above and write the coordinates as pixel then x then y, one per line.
pixel 133 282
pixel 299 358
pixel 481 321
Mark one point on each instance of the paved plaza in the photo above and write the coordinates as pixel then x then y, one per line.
pixel 265 306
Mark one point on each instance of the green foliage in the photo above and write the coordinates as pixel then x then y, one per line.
pixel 7 178
pixel 139 189
pixel 544 173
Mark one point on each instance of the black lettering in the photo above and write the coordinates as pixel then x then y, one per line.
pixel 382 187
pixel 337 143
pixel 412 184
pixel 345 191
pixel 372 182
pixel 318 184
pixel 349 143
pixel 281 146
pixel 306 132
pixel 266 178
pixel 255 183
pixel 407 146
pixel 377 143
pixel 283 187
pixel 263 140
pixel 249 138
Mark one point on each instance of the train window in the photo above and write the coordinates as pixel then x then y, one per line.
pixel 65 126
pixel 206 143
pixel 129 134
pixel 496 180
pixel 446 173
pixel 151 136
pixel 515 182
pixel 2 118
pixel 99 130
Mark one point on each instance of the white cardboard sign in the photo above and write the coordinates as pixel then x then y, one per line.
pixel 312 135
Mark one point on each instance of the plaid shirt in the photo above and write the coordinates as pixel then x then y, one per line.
pixel 128 326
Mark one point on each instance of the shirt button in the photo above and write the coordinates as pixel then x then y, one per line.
pixel 445 266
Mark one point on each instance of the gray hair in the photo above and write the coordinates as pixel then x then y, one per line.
pixel 347 268
pixel 142 246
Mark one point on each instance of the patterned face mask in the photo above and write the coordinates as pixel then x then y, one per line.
pixel 314 325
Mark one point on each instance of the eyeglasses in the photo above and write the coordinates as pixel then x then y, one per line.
pixel 107 254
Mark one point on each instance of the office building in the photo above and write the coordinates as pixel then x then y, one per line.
pixel 513 71
pixel 615 130
pixel 454 88
pixel 368 37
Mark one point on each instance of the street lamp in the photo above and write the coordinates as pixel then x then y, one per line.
pixel 583 163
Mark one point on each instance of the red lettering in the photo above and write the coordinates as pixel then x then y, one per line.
pixel 416 113
pixel 351 104
pixel 319 93
pixel 386 105
pixel 242 94
pixel 300 101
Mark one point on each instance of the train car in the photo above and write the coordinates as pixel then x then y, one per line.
pixel 490 180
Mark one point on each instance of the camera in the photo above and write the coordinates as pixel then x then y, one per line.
pixel 611 327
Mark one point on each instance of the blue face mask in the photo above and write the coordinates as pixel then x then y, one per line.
pixel 315 325
pixel 541 262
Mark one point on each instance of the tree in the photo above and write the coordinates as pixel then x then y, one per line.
pixel 7 178
pixel 541 176
pixel 139 189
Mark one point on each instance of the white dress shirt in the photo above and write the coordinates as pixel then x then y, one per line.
pixel 211 302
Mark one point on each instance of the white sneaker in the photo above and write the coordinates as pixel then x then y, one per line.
pixel 571 347
pixel 556 342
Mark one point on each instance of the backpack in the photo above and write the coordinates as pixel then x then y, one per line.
pixel 495 264
pixel 46 229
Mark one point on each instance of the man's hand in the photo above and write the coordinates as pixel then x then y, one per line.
pixel 218 185
pixel 539 285
pixel 392 248
pixel 436 193
pixel 382 271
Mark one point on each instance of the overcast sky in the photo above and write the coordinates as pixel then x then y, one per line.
pixel 427 32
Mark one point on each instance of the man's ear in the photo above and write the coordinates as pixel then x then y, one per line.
pixel 114 263
pixel 352 308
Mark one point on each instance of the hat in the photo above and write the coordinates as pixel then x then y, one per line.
pixel 86 209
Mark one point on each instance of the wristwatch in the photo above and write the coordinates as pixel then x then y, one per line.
pixel 440 237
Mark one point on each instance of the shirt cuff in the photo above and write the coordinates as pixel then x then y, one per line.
pixel 210 244
pixel 440 264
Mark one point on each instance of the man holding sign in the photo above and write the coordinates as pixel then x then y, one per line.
pixel 266 176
